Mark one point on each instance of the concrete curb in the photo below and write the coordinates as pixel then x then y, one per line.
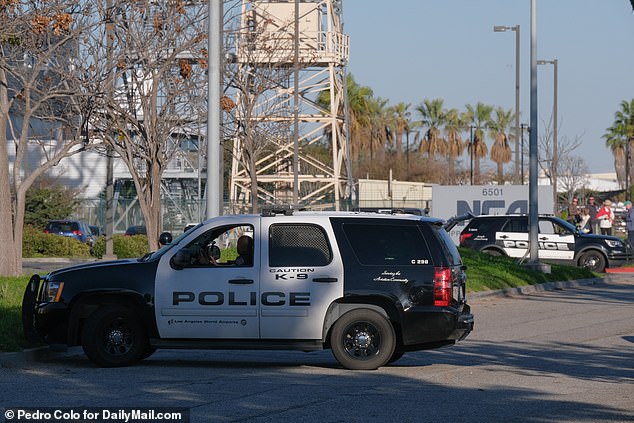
pixel 542 287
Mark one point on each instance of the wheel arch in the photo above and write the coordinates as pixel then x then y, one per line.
pixel 384 306
pixel 88 303
pixel 493 247
pixel 592 249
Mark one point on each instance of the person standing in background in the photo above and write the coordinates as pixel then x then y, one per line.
pixel 593 209
pixel 629 222
pixel 605 216
pixel 585 226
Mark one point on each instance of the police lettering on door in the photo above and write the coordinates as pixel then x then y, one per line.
pixel 217 298
pixel 543 245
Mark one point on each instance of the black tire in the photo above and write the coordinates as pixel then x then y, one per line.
pixel 362 340
pixel 593 260
pixel 113 336
pixel 397 355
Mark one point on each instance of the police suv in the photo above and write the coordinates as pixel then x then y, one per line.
pixel 368 286
pixel 559 241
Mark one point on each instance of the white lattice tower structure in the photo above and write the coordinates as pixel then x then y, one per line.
pixel 269 63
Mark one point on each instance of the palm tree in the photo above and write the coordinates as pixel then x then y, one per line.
pixel 478 117
pixel 399 121
pixel 619 135
pixel 433 117
pixel 501 150
pixel 454 125
pixel 615 139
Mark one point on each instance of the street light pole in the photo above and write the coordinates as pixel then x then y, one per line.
pixel 523 126
pixel 516 29
pixel 214 171
pixel 471 149
pixel 555 158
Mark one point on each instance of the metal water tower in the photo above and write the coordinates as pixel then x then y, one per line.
pixel 286 72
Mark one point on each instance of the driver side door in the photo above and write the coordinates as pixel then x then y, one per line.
pixel 210 300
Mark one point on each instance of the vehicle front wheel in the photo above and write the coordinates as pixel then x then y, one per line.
pixel 113 336
pixel 592 260
pixel 362 340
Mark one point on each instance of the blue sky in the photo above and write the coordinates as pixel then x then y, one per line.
pixel 410 50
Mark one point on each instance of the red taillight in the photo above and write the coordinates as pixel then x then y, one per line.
pixel 464 237
pixel 45 231
pixel 443 286
pixel 77 232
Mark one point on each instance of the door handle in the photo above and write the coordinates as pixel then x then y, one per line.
pixel 325 280
pixel 543 238
pixel 241 281
pixel 504 236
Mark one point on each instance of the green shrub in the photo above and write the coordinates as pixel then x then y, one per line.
pixel 36 243
pixel 123 246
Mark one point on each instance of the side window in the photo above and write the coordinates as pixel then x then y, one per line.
pixel 386 244
pixel 223 246
pixel 298 245
pixel 546 227
pixel 516 225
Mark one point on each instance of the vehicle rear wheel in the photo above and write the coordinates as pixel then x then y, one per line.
pixel 592 260
pixel 362 340
pixel 113 337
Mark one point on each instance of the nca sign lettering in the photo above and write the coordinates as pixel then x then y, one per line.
pixel 450 201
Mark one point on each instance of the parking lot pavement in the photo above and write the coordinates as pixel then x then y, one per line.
pixel 42 266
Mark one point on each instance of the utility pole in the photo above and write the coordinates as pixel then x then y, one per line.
pixel 109 150
pixel 214 169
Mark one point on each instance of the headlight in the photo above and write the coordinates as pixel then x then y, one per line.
pixel 614 244
pixel 53 291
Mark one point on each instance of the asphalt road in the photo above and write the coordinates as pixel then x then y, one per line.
pixel 557 356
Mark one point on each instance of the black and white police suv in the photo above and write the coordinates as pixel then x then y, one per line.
pixel 368 286
pixel 559 241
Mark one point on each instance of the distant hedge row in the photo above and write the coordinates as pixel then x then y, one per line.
pixel 36 243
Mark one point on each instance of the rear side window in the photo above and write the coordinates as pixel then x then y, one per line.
pixel 516 225
pixel 292 245
pixel 448 246
pixel 387 244
pixel 484 225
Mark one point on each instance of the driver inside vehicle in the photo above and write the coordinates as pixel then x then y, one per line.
pixel 204 255
pixel 244 246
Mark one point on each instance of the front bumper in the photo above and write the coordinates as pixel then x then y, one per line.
pixel 29 301
pixel 47 322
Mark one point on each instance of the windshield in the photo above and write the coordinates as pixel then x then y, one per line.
pixel 158 253
pixel 569 226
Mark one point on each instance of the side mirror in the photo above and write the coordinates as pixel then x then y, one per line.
pixel 165 238
pixel 181 259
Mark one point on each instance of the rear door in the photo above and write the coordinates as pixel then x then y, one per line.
pixel 301 275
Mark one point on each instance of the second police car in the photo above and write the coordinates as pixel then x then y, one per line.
pixel 368 286
pixel 558 241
